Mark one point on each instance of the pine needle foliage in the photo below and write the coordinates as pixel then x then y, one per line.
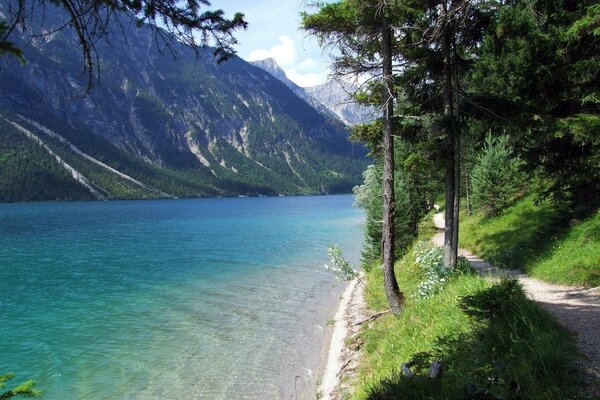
pixel 25 389
pixel 495 177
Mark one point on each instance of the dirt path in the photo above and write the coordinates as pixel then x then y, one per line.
pixel 578 309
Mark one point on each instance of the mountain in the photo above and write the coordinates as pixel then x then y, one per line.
pixel 271 66
pixel 158 126
pixel 332 99
pixel 336 96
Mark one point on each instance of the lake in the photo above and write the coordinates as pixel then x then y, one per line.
pixel 171 299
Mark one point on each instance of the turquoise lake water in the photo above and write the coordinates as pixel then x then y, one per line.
pixel 171 299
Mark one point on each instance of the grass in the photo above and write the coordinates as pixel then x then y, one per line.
pixel 538 239
pixel 494 342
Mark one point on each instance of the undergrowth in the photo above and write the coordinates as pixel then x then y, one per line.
pixel 493 341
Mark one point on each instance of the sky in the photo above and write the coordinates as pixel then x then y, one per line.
pixel 274 31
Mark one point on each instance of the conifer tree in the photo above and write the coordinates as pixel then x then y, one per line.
pixel 362 32
pixel 495 176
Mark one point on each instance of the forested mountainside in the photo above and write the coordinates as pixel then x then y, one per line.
pixel 178 126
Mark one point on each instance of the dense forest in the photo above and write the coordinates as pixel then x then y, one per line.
pixel 490 111
pixel 521 82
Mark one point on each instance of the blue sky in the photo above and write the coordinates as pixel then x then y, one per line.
pixel 274 32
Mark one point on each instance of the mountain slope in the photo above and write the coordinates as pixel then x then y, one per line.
pixel 184 126
pixel 336 96
pixel 271 66
pixel 28 172
pixel 332 99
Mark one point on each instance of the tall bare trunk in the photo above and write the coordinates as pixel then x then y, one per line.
pixel 392 291
pixel 456 199
pixel 467 188
pixel 456 131
pixel 452 202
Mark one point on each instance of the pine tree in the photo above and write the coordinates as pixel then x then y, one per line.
pixel 361 30
pixel 496 176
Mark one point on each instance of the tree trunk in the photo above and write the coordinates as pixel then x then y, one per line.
pixel 451 215
pixel 467 189
pixel 430 201
pixel 392 290
pixel 457 146
pixel 456 200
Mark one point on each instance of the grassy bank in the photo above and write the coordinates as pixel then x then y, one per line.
pixel 542 240
pixel 493 342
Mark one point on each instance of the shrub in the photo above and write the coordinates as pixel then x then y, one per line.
pixel 430 261
pixel 496 176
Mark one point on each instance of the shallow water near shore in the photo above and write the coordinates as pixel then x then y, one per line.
pixel 180 299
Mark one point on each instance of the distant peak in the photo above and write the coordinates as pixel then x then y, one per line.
pixel 267 63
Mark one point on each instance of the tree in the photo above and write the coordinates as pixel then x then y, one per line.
pixel 369 197
pixel 25 389
pixel 437 43
pixel 538 71
pixel 179 21
pixel 362 32
pixel 495 176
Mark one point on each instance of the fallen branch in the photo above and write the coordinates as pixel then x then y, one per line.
pixel 343 368
pixel 372 317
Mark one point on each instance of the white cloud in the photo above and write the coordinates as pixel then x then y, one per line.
pixel 284 52
pixel 259 54
pixel 304 80
pixel 308 63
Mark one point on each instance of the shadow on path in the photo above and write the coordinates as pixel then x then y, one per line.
pixel 577 309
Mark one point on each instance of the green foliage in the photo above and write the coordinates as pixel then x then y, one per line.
pixel 410 191
pixel 586 24
pixel 492 303
pixel 369 197
pixel 340 267
pixel 537 72
pixel 435 275
pixel 496 177
pixel 25 389
pixel 521 353
pixel 541 238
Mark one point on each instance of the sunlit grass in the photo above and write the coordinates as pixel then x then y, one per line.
pixel 541 240
pixel 523 348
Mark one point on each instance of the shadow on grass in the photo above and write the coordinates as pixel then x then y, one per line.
pixel 522 234
pixel 517 351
